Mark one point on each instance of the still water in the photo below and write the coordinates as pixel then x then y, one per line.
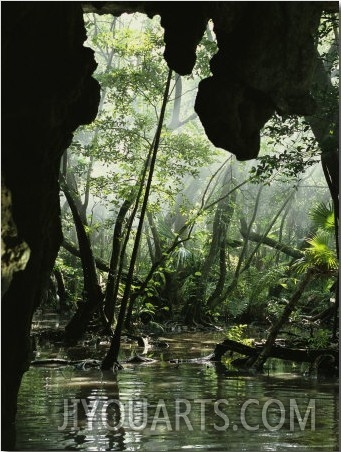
pixel 178 406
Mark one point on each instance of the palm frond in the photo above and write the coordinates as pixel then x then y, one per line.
pixel 319 254
pixel 164 229
pixel 322 216
pixel 182 255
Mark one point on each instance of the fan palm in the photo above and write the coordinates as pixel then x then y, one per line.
pixel 320 254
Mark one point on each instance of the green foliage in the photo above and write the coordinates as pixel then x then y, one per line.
pixel 291 150
pixel 323 217
pixel 274 308
pixel 205 51
pixel 319 254
pixel 320 339
pixel 112 152
pixel 72 273
pixel 238 301
pixel 237 333
pixel 260 283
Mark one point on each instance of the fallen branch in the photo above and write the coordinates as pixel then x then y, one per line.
pixel 321 315
pixel 277 351
pixel 254 237
pixel 80 364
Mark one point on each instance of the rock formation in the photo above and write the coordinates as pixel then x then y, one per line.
pixel 264 64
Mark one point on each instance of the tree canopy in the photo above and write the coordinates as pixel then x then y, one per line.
pixel 214 239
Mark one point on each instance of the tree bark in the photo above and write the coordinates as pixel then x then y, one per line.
pixel 71 248
pixel 325 127
pixel 61 290
pixel 194 311
pixel 100 263
pixel 227 207
pixel 289 308
pixel 112 356
pixel 276 351
pixel 113 282
pixel 254 237
pixel 92 290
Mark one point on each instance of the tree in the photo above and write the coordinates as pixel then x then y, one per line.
pixel 319 259
pixel 129 70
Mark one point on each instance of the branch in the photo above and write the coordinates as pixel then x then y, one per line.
pixel 100 263
pixel 254 237
pixel 72 248
pixel 277 351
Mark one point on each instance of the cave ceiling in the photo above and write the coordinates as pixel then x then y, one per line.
pixel 264 64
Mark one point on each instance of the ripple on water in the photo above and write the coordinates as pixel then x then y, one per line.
pixel 162 407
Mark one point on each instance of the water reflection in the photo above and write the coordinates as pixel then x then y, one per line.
pixel 167 407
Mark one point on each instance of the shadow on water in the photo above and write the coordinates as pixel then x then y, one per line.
pixel 174 406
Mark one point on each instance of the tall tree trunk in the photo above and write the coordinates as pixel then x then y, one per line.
pixel 112 355
pixel 325 127
pixel 241 269
pixel 228 207
pixel 196 303
pixel 242 254
pixel 156 238
pixel 175 121
pixel 92 290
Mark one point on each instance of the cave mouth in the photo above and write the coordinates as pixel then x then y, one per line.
pixel 105 161
pixel 57 93
pixel 131 70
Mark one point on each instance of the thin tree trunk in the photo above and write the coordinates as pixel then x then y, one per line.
pixel 226 218
pixel 325 127
pixel 254 237
pixel 195 304
pixel 280 233
pixel 289 308
pixel 156 238
pixel 113 282
pixel 100 263
pixel 61 290
pixel 270 226
pixel 234 281
pixel 175 121
pixel 149 244
pixel 112 355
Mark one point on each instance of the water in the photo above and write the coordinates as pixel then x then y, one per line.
pixel 174 406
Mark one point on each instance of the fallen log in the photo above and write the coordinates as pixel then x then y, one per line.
pixel 80 364
pixel 277 351
pixel 327 313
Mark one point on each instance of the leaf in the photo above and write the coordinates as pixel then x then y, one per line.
pixel 323 216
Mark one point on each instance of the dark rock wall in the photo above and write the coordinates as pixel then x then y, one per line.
pixel 264 64
pixel 47 92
